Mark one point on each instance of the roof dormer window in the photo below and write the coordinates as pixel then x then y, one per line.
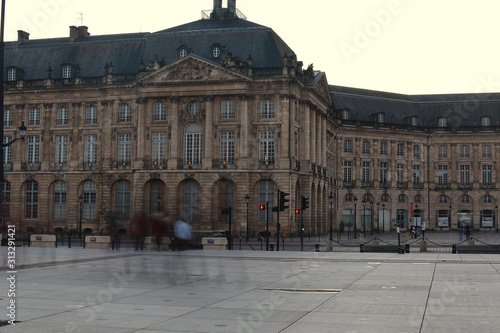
pixel 414 120
pixel 344 114
pixel 381 117
pixel 442 122
pixel 486 121
pixel 12 74
pixel 183 53
pixel 216 51
pixel 67 71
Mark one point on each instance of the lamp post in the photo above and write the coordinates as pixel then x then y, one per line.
pixel 496 217
pixel 371 217
pixel 247 199
pixel 355 212
pixel 330 198
pixel 158 202
pixel 383 217
pixel 363 216
pixel 378 217
pixel 80 199
pixel 22 135
pixel 449 222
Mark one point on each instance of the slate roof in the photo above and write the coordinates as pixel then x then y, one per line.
pixel 239 37
pixel 462 110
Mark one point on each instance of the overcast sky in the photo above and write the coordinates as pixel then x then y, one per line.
pixel 404 46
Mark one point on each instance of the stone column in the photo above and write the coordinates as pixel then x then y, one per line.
pixel 174 149
pixel 208 138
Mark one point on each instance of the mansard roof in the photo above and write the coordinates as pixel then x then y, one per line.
pixel 461 110
pixel 236 37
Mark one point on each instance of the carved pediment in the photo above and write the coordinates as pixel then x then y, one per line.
pixel 322 88
pixel 191 68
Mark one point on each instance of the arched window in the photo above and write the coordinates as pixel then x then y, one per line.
pixel 60 199
pixel 123 199
pixel 89 200
pixel 193 145
pixel 31 200
pixel 191 195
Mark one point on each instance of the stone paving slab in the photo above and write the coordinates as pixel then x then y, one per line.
pixel 76 290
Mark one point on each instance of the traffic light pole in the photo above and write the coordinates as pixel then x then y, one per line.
pixel 267 225
pixel 301 230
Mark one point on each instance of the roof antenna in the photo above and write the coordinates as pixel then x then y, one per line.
pixel 80 19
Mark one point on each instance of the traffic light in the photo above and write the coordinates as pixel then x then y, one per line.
pixel 262 207
pixel 297 211
pixel 305 203
pixel 283 201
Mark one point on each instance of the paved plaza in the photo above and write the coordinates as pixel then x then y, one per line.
pixel 85 290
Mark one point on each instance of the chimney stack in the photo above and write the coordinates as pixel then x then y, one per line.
pixel 217 4
pixel 77 32
pixel 231 5
pixel 22 36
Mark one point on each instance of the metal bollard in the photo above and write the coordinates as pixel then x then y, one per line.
pixel 271 247
pixel 316 247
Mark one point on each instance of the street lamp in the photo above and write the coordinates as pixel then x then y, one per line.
pixel 371 217
pixel 22 135
pixel 496 216
pixel 363 217
pixel 247 199
pixel 378 217
pixel 80 199
pixel 331 214
pixel 383 217
pixel 355 212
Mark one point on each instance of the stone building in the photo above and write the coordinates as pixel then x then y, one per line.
pixel 219 113
pixel 185 121
pixel 416 159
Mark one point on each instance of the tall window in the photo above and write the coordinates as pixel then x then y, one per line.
pixel 159 111
pixel 348 171
pixel 5 206
pixel 366 147
pixel 33 148
pixel 7 117
pixel 31 203
pixel 155 192
pixel 266 195
pixel 366 173
pixel 89 200
pixel 90 153
pixel 348 146
pixel 91 115
pixel 487 174
pixel 416 151
pixel 62 116
pixel 191 199
pixel 123 199
pixel 125 113
pixel 487 151
pixel 381 117
pixel 227 148
pixel 193 145
pixel 465 174
pixel 383 172
pixel 60 199
pixel 401 173
pixel 383 148
pixel 442 122
pixel 442 152
pixel 124 147
pixel 464 151
pixel 401 149
pixel 416 174
pixel 227 109
pixel 7 151
pixel 443 175
pixel 267 109
pixel 159 148
pixel 34 116
pixel 61 149
pixel 266 147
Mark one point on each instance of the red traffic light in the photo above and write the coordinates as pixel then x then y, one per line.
pixel 297 211
pixel 262 207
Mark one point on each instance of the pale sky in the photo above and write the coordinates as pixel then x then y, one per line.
pixel 403 46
